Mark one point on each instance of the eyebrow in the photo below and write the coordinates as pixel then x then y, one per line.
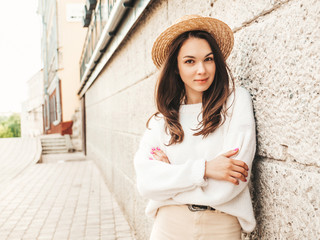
pixel 194 57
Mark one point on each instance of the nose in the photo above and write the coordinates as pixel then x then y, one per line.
pixel 201 68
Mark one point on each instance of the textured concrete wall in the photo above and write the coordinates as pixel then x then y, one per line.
pixel 276 57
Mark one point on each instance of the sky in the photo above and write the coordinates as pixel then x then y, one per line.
pixel 20 51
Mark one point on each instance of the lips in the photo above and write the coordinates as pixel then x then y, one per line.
pixel 201 80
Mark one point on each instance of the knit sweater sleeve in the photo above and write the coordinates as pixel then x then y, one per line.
pixel 240 134
pixel 160 181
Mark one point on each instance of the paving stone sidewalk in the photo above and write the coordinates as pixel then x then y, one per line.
pixel 60 201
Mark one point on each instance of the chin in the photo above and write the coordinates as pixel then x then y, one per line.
pixel 202 89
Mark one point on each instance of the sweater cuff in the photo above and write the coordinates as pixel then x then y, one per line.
pixel 198 170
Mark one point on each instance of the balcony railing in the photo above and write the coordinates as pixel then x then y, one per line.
pixel 100 41
pixel 99 18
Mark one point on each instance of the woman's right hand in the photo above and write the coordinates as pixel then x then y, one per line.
pixel 159 155
pixel 226 168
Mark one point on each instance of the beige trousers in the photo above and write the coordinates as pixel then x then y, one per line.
pixel 179 223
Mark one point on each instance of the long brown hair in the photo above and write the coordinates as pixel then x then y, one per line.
pixel 170 91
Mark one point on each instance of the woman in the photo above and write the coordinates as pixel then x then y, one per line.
pixel 195 158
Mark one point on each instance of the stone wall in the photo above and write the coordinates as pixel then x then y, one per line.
pixel 276 57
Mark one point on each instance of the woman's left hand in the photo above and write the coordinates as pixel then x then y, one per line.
pixel 159 155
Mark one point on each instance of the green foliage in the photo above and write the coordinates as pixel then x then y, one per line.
pixel 10 126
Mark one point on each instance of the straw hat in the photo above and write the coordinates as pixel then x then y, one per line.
pixel 218 29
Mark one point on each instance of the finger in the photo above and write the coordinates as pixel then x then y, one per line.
pixel 240 164
pixel 164 157
pixel 160 156
pixel 166 160
pixel 157 156
pixel 155 151
pixel 240 170
pixel 152 151
pixel 231 153
pixel 161 153
pixel 238 175
pixel 233 180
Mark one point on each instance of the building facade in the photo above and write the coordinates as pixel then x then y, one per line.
pixel 276 58
pixel 31 114
pixel 62 40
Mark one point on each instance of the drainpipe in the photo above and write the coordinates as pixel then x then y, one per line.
pixel 48 111
pixel 58 101
pixel 45 73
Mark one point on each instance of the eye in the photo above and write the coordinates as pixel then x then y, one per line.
pixel 189 61
pixel 208 59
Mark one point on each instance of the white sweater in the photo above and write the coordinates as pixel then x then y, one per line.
pixel 182 181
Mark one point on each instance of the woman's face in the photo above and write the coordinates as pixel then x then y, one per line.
pixel 196 68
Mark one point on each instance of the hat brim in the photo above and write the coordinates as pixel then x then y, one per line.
pixel 218 29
